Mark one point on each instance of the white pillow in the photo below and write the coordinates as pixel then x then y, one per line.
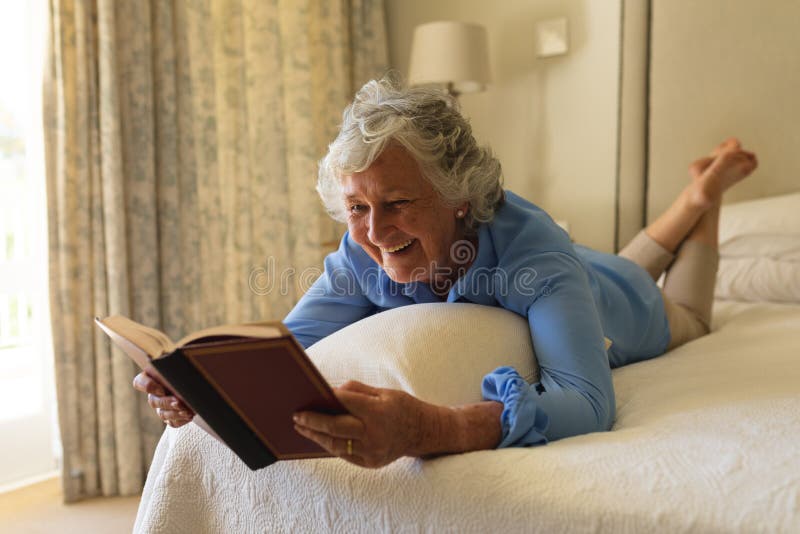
pixel 766 227
pixel 775 246
pixel 758 279
pixel 437 352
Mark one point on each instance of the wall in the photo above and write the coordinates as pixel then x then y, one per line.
pixel 722 68
pixel 553 122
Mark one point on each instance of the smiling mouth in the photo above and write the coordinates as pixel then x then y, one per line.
pixel 398 248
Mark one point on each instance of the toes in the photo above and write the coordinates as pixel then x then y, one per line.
pixel 736 165
pixel 732 142
pixel 729 157
pixel 729 144
pixel 743 157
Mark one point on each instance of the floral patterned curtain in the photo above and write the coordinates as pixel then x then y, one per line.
pixel 181 140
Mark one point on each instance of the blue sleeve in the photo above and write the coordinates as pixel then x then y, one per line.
pixel 334 301
pixel 575 393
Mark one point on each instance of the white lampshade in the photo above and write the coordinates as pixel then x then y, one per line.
pixel 451 53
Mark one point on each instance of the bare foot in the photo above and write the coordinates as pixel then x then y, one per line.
pixel 730 166
pixel 731 143
pixel 698 166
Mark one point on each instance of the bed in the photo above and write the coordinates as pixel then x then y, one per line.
pixel 706 436
pixel 705 440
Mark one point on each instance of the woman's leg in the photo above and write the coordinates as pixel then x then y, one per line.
pixel 683 241
pixel 690 280
pixel 711 177
pixel 654 247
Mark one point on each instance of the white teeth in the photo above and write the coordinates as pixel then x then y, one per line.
pixel 398 247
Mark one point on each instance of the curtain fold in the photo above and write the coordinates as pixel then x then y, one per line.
pixel 181 140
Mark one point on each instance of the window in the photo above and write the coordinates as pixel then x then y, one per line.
pixel 26 385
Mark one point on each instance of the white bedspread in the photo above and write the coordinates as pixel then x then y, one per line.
pixel 707 439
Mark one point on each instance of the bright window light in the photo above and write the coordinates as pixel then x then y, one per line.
pixel 23 257
pixel 26 383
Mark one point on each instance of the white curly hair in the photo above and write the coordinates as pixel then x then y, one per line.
pixel 428 124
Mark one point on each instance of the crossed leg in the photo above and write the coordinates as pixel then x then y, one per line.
pixel 683 240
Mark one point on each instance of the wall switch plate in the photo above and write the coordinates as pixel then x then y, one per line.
pixel 551 37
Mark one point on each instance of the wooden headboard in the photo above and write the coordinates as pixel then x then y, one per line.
pixel 720 68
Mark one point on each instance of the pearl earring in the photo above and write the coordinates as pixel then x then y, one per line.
pixel 460 213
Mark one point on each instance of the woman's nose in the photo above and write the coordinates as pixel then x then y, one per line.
pixel 378 226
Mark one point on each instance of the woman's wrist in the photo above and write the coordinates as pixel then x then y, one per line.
pixel 479 425
pixel 464 428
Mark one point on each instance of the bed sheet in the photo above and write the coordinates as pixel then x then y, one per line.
pixel 705 441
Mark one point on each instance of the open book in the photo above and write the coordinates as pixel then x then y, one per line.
pixel 244 382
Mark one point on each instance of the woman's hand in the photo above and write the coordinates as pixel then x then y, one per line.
pixel 383 425
pixel 169 408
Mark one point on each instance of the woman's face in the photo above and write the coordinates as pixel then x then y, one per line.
pixel 400 221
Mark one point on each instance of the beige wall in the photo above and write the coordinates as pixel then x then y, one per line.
pixel 552 122
pixel 720 68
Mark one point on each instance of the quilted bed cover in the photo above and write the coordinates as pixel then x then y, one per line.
pixel 707 439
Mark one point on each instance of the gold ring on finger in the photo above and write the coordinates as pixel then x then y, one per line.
pixel 349 447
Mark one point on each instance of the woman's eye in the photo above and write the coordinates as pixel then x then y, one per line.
pixel 398 203
pixel 356 208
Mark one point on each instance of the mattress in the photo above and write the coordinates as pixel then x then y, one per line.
pixel 705 440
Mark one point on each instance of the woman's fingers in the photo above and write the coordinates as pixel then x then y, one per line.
pixel 356 402
pixel 167 403
pixel 336 426
pixel 382 425
pixel 143 382
pixel 168 407
pixel 323 440
pixel 174 414
pixel 174 418
pixel 334 445
pixel 358 399
pixel 359 387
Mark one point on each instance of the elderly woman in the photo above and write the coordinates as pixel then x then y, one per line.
pixel 428 221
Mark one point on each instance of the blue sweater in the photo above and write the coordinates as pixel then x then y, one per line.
pixel 572 297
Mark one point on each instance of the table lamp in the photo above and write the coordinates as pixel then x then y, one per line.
pixel 450 53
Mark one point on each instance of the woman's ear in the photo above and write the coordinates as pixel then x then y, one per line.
pixel 461 211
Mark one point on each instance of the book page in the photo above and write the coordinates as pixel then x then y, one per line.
pixel 154 342
pixel 265 330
